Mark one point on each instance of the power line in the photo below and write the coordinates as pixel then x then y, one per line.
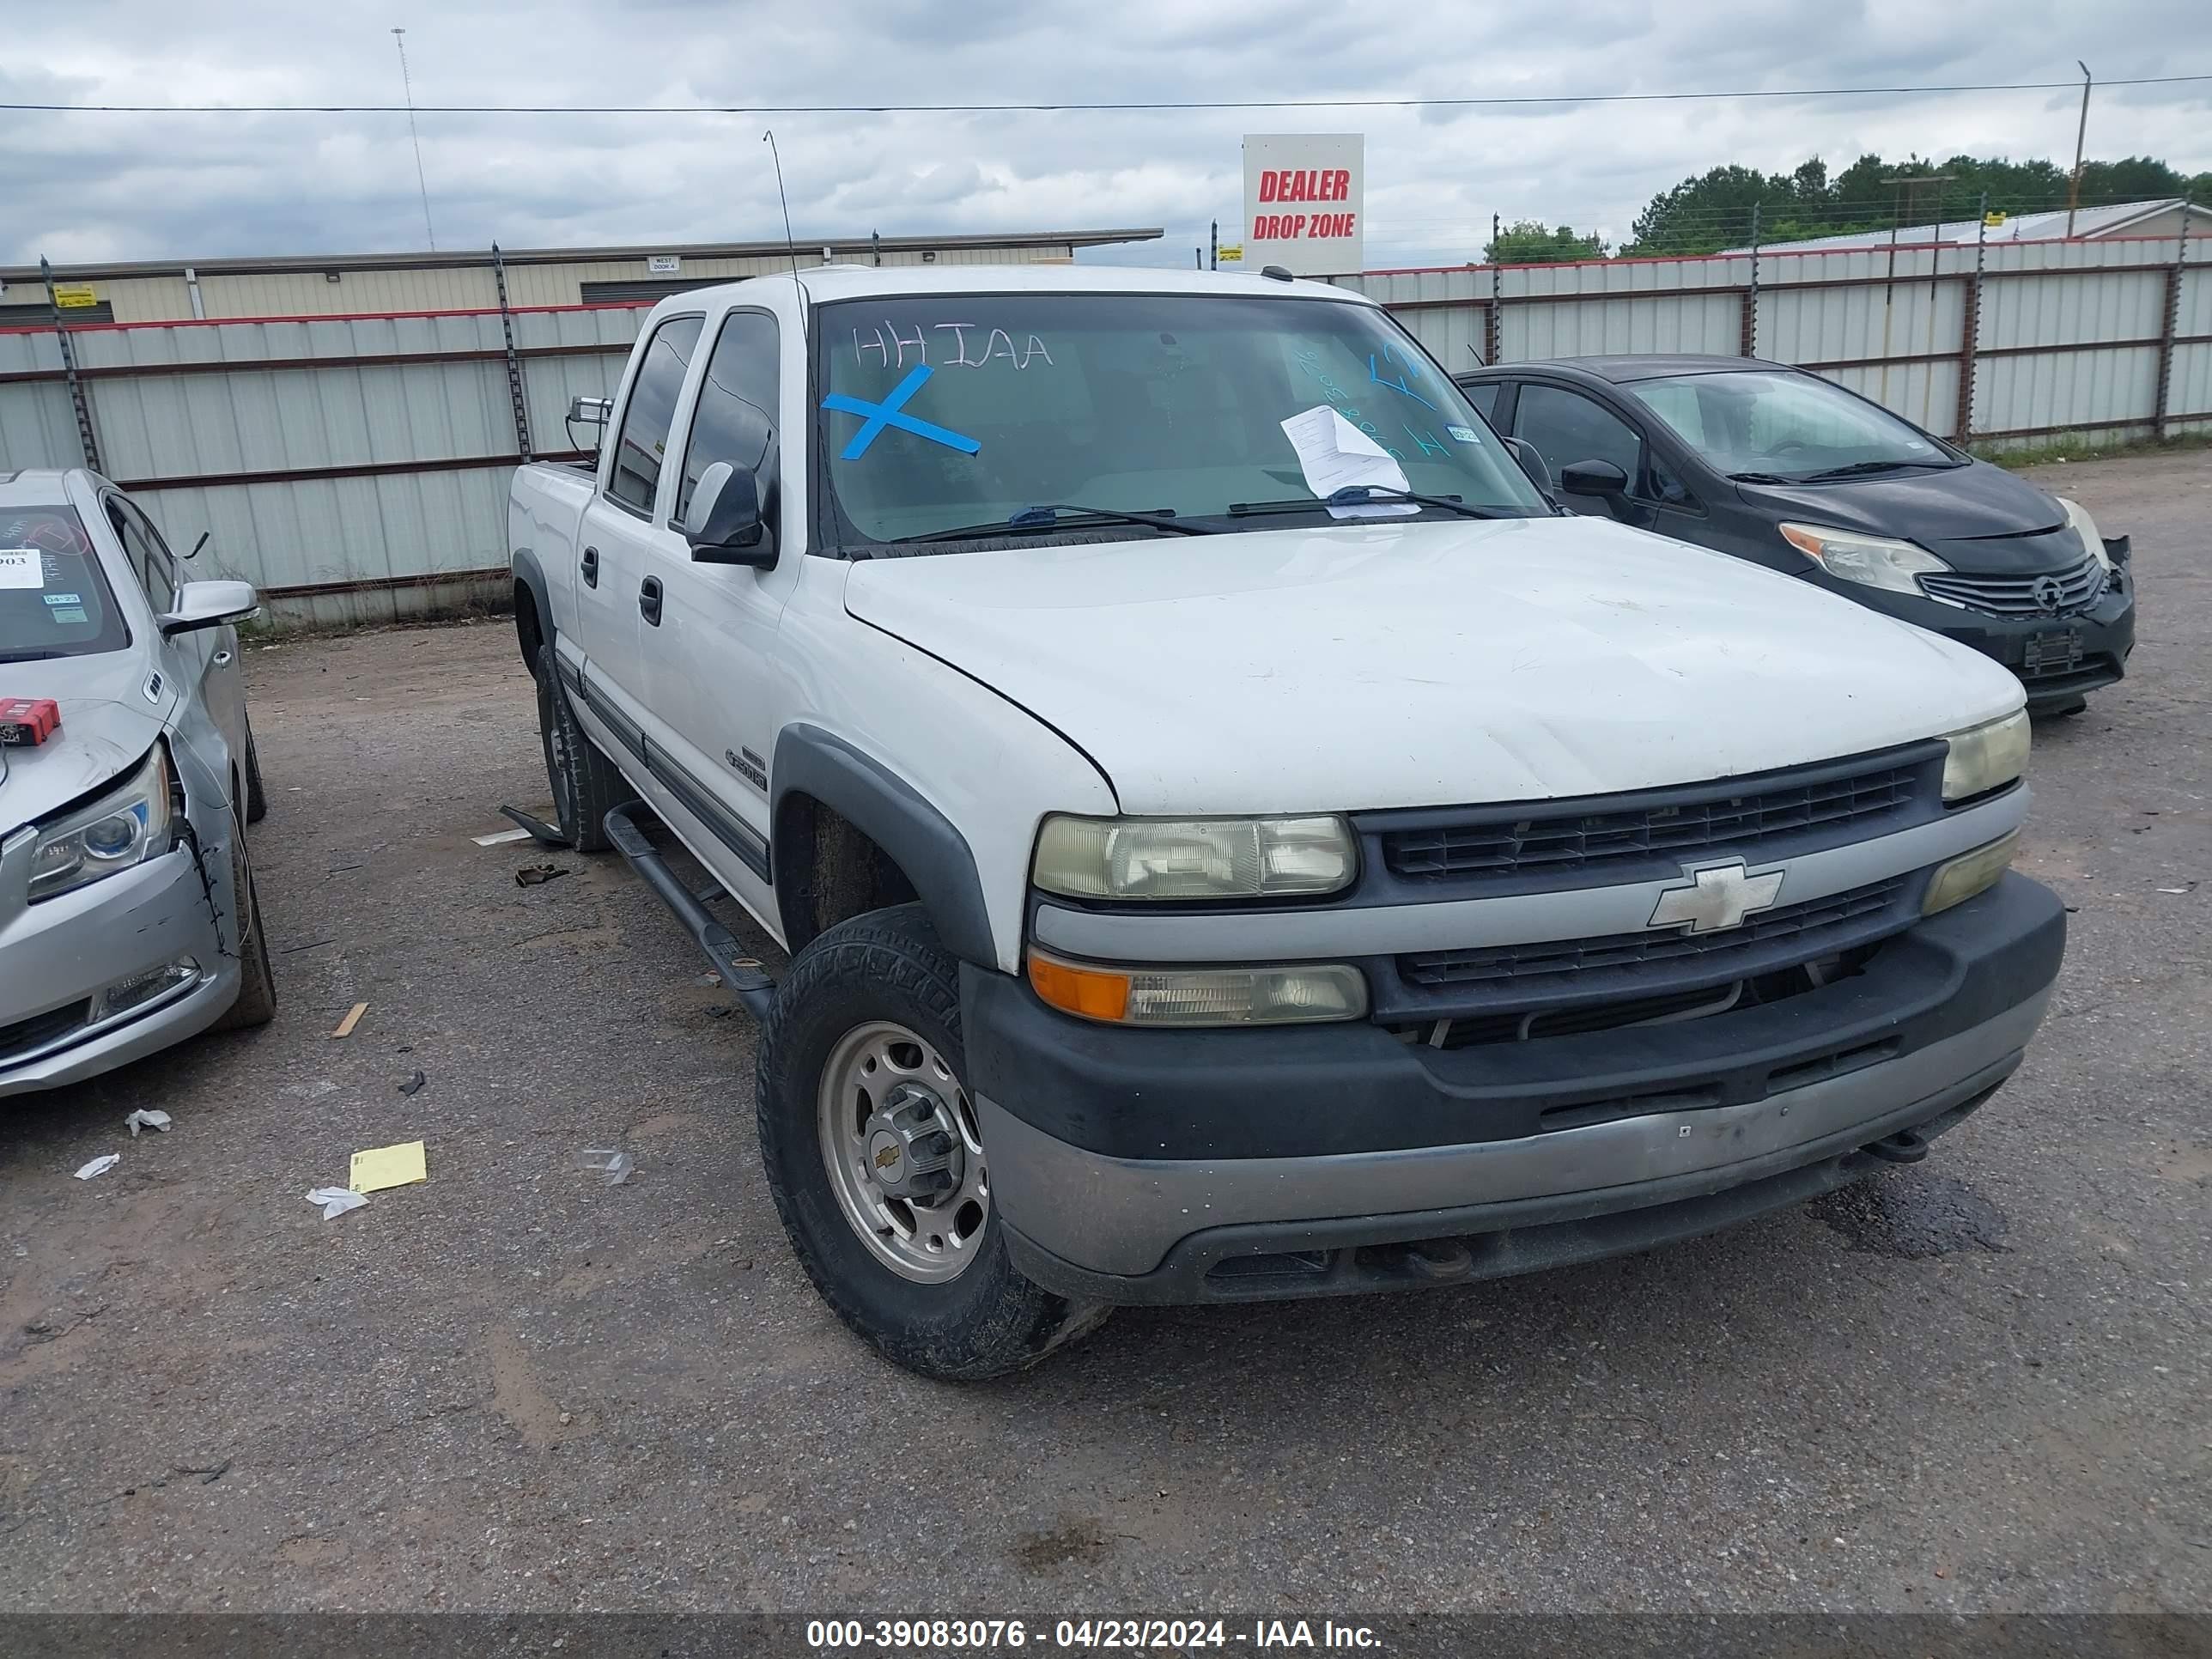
pixel 1103 106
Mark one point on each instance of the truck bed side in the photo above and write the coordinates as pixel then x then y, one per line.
pixel 544 517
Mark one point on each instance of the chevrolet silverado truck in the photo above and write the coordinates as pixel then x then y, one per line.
pixel 1233 836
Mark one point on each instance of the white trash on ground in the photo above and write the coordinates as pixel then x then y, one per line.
pixel 99 1166
pixel 336 1200
pixel 147 1119
pixel 609 1161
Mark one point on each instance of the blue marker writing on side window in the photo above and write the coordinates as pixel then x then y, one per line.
pixel 876 417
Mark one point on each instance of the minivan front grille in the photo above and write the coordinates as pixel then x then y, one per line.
pixel 1732 814
pixel 2051 593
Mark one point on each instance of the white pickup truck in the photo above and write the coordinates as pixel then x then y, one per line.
pixel 1206 878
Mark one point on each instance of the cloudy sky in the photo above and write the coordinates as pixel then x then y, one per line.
pixel 81 187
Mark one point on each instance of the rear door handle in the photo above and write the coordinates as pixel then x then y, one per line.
pixel 590 567
pixel 648 601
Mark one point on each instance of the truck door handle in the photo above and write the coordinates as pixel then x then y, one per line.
pixel 648 601
pixel 590 567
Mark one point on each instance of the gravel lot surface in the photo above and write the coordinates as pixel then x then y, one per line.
pixel 1980 1382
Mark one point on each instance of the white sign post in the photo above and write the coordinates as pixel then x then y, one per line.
pixel 1303 202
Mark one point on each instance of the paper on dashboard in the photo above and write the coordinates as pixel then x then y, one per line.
pixel 1335 455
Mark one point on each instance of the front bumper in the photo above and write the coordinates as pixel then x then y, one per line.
pixel 58 957
pixel 1191 1166
pixel 2105 634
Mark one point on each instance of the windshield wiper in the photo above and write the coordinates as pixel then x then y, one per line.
pixel 1363 495
pixel 1046 516
pixel 32 655
pixel 1857 469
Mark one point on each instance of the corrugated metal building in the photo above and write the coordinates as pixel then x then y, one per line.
pixel 2161 216
pixel 376 285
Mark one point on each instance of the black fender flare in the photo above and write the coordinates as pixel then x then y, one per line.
pixel 530 575
pixel 891 813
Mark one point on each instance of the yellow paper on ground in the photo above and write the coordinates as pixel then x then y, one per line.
pixel 387 1166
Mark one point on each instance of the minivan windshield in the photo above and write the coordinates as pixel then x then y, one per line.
pixel 54 600
pixel 945 412
pixel 1794 429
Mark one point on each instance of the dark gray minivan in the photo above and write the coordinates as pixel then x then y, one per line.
pixel 1781 467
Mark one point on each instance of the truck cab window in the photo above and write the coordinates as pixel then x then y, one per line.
pixel 735 421
pixel 651 411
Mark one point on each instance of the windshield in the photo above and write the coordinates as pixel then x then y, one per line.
pixel 958 411
pixel 54 602
pixel 1784 425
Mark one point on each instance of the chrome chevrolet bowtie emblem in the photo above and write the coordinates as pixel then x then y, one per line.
pixel 1720 896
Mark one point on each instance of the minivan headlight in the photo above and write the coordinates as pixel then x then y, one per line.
pixel 1193 858
pixel 1875 560
pixel 124 828
pixel 2086 528
pixel 1984 756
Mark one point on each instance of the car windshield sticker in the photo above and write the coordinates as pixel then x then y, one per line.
pixel 1464 433
pixel 22 567
pixel 70 616
pixel 64 599
pixel 876 417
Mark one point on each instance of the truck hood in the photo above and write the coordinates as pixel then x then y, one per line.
pixel 106 727
pixel 1425 664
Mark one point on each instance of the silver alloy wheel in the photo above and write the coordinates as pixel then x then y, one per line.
pixel 904 1153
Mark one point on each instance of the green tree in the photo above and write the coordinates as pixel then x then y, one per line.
pixel 1532 242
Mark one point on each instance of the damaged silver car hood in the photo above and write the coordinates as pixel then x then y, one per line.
pixel 108 722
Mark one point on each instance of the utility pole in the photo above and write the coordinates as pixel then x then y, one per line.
pixel 2080 132
pixel 407 86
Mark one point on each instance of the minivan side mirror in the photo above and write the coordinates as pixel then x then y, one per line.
pixel 723 524
pixel 208 604
pixel 1602 479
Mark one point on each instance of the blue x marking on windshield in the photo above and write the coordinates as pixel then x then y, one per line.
pixel 887 413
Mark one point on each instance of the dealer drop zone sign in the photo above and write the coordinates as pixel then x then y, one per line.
pixel 1303 202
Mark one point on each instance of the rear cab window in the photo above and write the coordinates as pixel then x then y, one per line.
pixel 54 597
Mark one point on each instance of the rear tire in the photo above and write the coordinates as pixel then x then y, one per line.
pixel 257 989
pixel 880 978
pixel 587 784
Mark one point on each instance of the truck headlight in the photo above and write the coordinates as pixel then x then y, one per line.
pixel 1985 757
pixel 2086 528
pixel 1290 995
pixel 1970 873
pixel 124 828
pixel 1875 560
pixel 1193 858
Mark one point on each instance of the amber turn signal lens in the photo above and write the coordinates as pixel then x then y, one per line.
pixel 1090 992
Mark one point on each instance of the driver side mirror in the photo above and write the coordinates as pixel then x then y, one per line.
pixel 1602 479
pixel 723 524
pixel 208 604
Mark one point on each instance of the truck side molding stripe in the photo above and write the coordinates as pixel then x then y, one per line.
pixel 741 837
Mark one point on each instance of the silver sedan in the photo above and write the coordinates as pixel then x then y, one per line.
pixel 128 920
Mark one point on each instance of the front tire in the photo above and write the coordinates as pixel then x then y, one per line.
pixel 890 1213
pixel 587 784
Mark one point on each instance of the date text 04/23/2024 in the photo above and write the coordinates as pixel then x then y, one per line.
pixel 1083 1635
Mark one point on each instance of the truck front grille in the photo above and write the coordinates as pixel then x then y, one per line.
pixel 1831 804
pixel 1808 930
pixel 2052 594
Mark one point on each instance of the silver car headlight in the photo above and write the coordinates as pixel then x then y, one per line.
pixel 1875 560
pixel 1985 757
pixel 1193 858
pixel 2085 527
pixel 128 825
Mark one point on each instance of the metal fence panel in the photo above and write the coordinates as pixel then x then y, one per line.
pixel 2062 392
